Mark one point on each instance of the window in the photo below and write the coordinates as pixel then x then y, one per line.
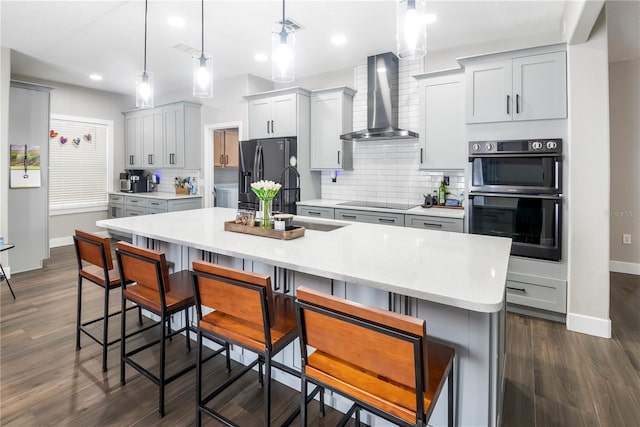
pixel 79 169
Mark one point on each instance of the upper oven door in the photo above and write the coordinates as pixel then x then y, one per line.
pixel 516 173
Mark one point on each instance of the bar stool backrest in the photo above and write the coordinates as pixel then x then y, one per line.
pixel 147 267
pixel 93 249
pixel 388 344
pixel 237 293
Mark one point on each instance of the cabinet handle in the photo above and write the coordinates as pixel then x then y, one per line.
pixel 517 103
pixel 172 158
pixel 268 131
pixel 155 203
pixel 133 201
pixel 422 155
pixel 431 224
pixel 508 102
pixel 221 159
pixel 338 156
pixel 519 290
pixel 314 213
pixel 150 159
pixel 272 128
pixel 387 220
pixel 131 159
pixel 133 214
pixel 226 159
pixel 349 216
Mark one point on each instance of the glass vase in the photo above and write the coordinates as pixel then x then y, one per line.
pixel 265 211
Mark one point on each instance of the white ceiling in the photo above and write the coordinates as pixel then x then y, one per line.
pixel 66 41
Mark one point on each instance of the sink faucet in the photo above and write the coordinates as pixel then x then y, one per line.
pixel 296 188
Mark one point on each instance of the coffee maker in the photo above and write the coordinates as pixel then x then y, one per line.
pixel 136 182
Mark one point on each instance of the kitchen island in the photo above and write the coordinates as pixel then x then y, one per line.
pixel 455 281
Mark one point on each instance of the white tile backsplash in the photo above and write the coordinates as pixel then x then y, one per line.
pixel 387 171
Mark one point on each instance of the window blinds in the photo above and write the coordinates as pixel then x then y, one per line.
pixel 78 161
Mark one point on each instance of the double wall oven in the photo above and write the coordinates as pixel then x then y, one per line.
pixel 516 191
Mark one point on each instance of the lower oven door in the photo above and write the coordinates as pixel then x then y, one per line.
pixel 533 222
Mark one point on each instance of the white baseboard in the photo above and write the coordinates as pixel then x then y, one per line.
pixel 589 325
pixel 68 240
pixel 624 267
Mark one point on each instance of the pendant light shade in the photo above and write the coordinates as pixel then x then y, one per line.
pixel 411 28
pixel 202 69
pixel 283 52
pixel 144 79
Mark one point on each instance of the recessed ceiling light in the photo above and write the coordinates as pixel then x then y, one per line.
pixel 95 77
pixel 430 18
pixel 261 57
pixel 176 21
pixel 339 39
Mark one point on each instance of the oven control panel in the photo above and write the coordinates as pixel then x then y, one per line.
pixel 520 146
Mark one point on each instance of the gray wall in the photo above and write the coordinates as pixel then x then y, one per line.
pixel 82 102
pixel 624 104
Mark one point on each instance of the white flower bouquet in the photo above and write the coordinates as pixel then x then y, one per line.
pixel 265 190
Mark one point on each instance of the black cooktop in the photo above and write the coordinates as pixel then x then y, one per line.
pixel 384 205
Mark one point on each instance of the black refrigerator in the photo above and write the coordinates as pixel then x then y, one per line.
pixel 271 159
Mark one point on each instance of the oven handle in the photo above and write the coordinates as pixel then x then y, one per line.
pixel 507 154
pixel 519 195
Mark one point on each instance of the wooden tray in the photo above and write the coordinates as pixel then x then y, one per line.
pixel 294 233
pixel 182 190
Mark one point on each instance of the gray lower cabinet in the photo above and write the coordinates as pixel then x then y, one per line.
pixel 542 293
pixel 316 212
pixel 370 217
pixel 126 205
pixel 434 223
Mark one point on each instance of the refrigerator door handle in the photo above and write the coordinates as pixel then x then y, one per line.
pixel 256 164
pixel 261 167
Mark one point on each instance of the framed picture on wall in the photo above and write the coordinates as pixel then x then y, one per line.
pixel 25 166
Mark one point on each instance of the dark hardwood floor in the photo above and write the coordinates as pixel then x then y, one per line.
pixel 554 377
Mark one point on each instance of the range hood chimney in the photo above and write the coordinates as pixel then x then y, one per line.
pixel 382 102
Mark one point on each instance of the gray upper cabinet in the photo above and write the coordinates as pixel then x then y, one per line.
pixel 442 122
pixel 274 114
pixel 163 137
pixel 531 87
pixel 331 116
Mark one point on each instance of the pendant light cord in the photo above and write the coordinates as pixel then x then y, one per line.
pixel 145 37
pixel 202 26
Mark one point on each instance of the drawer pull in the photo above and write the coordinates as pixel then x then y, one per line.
pixel 387 220
pixel 314 213
pixel 519 290
pixel 432 224
pixel 155 203
pixel 349 216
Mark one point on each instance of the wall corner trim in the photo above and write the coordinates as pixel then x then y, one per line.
pixel 589 325
pixel 624 267
pixel 68 240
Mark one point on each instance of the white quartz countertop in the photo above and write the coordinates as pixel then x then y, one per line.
pixel 158 195
pixel 467 271
pixel 418 210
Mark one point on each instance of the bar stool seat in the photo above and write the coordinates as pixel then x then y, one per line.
pixel 95 264
pixel 245 313
pixel 380 360
pixel 147 282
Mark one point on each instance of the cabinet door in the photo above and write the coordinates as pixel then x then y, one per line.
pixel 133 140
pixel 488 88
pixel 284 116
pixel 218 148
pixel 326 127
pixel 540 87
pixel 260 118
pixel 152 138
pixel 173 136
pixel 443 134
pixel 231 149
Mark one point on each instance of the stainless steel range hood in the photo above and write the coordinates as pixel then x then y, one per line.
pixel 382 102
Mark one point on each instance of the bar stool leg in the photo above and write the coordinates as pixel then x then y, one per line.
pixel 162 361
pixel 199 380
pixel 227 347
pixel 105 333
pixel 123 339
pixel 303 402
pixel 188 328
pixel 267 390
pixel 78 312
pixel 450 396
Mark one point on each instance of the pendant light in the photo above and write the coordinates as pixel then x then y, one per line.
pixel 202 69
pixel 282 53
pixel 411 28
pixel 144 79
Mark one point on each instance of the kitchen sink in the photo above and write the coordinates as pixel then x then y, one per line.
pixel 318 226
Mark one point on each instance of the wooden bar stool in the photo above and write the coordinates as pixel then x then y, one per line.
pixel 380 360
pixel 248 314
pixel 147 282
pixel 95 264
